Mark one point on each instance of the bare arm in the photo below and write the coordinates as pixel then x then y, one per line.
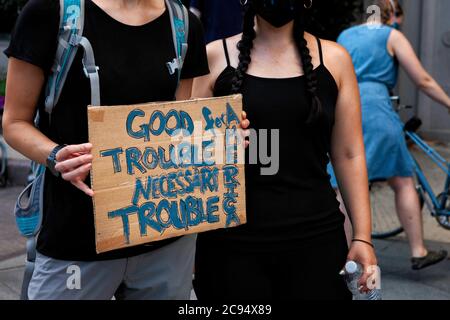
pixel 203 86
pixel 184 91
pixel 410 62
pixel 24 84
pixel 347 151
pixel 348 157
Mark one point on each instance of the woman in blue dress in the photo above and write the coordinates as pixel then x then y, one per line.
pixel 377 50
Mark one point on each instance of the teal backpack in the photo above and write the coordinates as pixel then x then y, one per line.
pixel 29 206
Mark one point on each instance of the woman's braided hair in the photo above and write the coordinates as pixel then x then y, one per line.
pixel 245 47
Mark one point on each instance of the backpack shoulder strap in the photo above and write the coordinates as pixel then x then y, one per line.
pixel 70 29
pixel 179 17
pixel 29 215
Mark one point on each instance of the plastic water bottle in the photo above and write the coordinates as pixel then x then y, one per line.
pixel 352 273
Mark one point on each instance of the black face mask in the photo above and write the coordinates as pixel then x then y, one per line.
pixel 277 12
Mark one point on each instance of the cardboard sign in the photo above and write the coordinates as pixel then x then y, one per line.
pixel 163 170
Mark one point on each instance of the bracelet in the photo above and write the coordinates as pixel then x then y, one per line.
pixel 363 241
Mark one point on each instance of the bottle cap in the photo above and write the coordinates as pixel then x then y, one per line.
pixel 351 267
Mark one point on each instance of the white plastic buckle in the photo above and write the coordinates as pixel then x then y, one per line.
pixel 173 66
pixel 89 71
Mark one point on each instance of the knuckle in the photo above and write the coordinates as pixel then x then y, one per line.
pixel 81 160
pixel 61 167
pixel 88 158
pixel 60 156
pixel 68 149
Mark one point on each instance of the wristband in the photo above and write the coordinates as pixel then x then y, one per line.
pixel 363 241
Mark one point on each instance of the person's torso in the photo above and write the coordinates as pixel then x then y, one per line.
pixel 298 201
pixel 132 70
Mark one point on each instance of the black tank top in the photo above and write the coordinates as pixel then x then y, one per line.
pixel 298 202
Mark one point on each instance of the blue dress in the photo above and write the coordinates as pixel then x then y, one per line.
pixel 377 71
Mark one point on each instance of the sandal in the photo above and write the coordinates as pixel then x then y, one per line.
pixel 430 259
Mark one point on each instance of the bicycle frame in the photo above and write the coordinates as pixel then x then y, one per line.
pixel 437 206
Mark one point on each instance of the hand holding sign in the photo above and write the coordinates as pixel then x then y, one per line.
pixel 167 169
pixel 74 164
pixel 245 125
pixel 75 161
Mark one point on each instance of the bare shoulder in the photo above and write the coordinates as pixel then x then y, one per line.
pixel 335 57
pixel 216 54
pixel 396 34
pixel 397 37
pixel 234 39
pixel 337 60
pixel 217 63
pixel 334 53
pixel 215 49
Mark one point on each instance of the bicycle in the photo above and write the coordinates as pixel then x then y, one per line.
pixel 385 222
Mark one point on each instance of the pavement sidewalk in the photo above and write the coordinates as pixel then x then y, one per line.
pixel 399 282
pixel 18 166
pixel 11 274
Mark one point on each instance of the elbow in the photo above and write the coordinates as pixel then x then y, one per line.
pixel 6 128
pixel 425 83
pixel 347 156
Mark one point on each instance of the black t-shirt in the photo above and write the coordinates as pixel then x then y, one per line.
pixel 132 62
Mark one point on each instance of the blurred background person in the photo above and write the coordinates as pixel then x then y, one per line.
pixel 377 50
pixel 220 18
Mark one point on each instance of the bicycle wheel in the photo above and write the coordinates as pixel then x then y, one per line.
pixel 385 222
pixel 444 221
